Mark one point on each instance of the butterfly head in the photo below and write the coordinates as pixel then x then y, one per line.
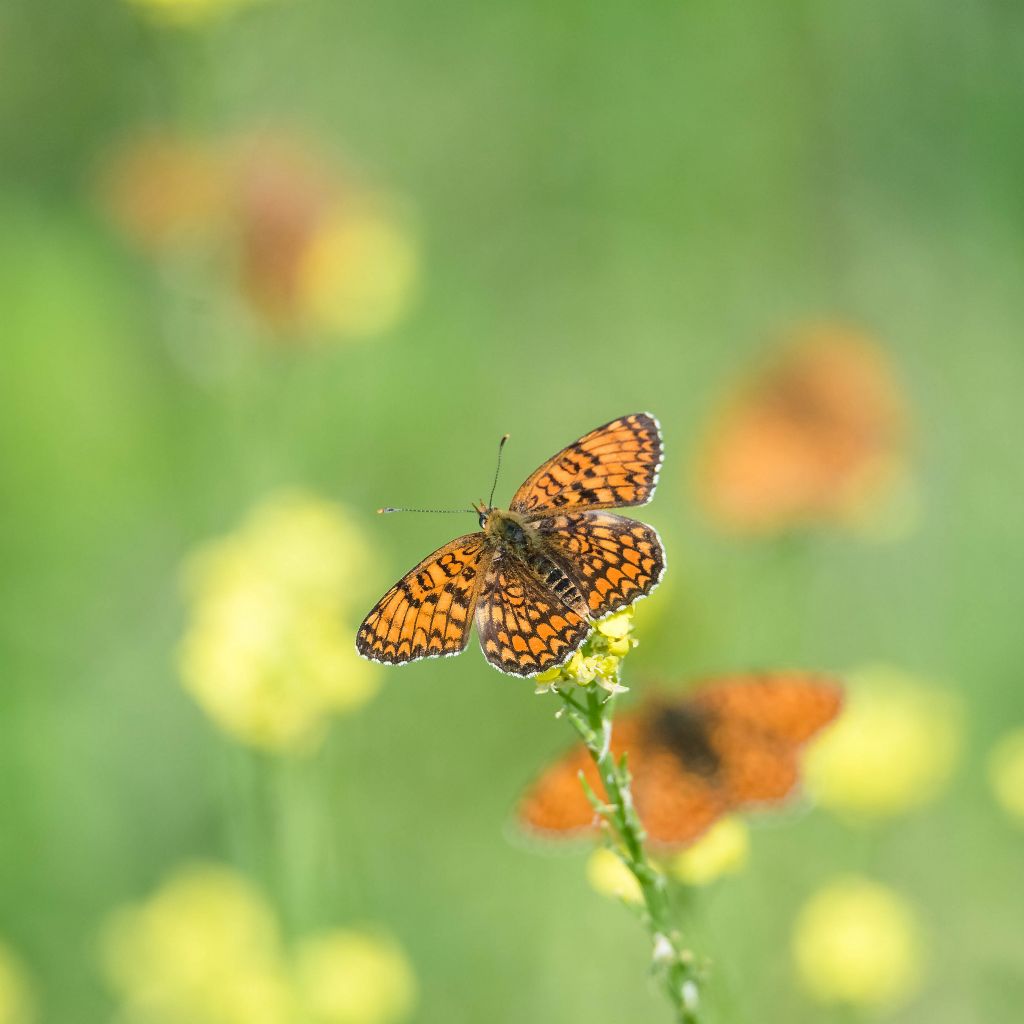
pixel 483 513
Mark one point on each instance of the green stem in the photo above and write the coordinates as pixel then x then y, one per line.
pixel 679 976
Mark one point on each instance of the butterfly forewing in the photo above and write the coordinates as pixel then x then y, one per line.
pixel 428 612
pixel 524 627
pixel 791 706
pixel 612 560
pixel 613 466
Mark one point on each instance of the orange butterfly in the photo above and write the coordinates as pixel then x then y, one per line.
pixel 815 436
pixel 535 576
pixel 730 744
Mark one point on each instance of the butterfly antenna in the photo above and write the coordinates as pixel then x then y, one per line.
pixel 494 486
pixel 390 508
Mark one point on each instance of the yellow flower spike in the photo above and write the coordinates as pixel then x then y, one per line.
pixel 1006 773
pixel 723 850
pixel 609 876
pixel 858 943
pixel 347 977
pixel 16 1002
pixel 268 651
pixel 893 748
pixel 598 660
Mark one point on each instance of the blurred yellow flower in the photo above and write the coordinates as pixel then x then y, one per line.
pixel 858 943
pixel 16 1003
pixel 598 659
pixel 188 12
pixel 268 217
pixel 204 949
pixel 268 652
pixel 893 748
pixel 357 273
pixel 348 977
pixel 609 876
pixel 1006 772
pixel 723 850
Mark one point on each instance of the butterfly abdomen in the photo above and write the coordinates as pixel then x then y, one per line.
pixel 519 540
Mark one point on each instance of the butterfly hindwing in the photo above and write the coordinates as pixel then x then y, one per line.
pixel 524 627
pixel 428 612
pixel 612 560
pixel 613 466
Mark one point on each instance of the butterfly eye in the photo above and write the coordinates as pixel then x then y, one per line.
pixel 483 520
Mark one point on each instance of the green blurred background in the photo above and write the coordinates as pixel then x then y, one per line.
pixel 614 207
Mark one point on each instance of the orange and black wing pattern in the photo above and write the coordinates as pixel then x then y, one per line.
pixel 730 745
pixel 612 560
pixel 525 628
pixel 613 466
pixel 428 612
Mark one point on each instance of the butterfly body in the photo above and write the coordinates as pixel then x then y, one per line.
pixel 538 573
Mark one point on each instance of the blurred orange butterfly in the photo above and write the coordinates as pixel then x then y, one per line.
pixel 537 575
pixel 730 744
pixel 816 436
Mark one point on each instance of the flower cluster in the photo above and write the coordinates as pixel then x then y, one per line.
pixel 598 659
pixel 306 250
pixel 893 748
pixel 205 948
pixel 858 943
pixel 268 649
pixel 16 1002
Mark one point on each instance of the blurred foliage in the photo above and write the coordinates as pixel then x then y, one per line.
pixel 601 209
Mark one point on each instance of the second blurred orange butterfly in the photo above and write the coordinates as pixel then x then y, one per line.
pixel 732 743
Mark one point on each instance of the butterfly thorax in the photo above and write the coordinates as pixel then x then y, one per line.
pixel 516 538
pixel 686 732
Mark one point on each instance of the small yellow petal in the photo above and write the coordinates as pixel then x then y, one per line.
pixel 550 676
pixel 609 876
pixel 723 850
pixel 616 626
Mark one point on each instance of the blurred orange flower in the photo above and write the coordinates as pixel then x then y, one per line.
pixel 163 191
pixel 817 436
pixel 272 223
